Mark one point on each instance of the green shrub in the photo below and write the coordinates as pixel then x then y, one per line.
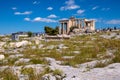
pixel 51 31
pixel 29 34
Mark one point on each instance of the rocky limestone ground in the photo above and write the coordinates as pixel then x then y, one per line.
pixel 110 72
pixel 93 56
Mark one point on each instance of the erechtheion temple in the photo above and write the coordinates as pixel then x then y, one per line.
pixel 80 24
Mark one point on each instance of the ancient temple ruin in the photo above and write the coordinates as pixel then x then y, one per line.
pixel 80 24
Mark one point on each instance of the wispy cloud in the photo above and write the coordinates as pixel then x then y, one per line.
pixel 39 19
pixel 49 8
pixel 64 19
pixel 70 5
pixel 52 16
pixel 114 21
pixel 23 13
pixel 96 19
pixel 105 9
pixel 80 11
pixel 99 20
pixel 95 7
pixel 36 2
pixel 14 8
pixel 27 19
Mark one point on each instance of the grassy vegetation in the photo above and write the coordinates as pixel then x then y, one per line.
pixel 38 61
pixel 8 74
pixel 102 64
pixel 29 72
pixel 116 59
pixel 47 70
pixel 11 61
pixel 57 72
pixel 88 47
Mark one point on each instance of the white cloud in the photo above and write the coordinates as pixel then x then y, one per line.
pixel 23 13
pixel 14 8
pixel 36 2
pixel 114 21
pixel 39 19
pixel 27 19
pixel 70 5
pixel 49 8
pixel 94 8
pixel 80 11
pixel 52 16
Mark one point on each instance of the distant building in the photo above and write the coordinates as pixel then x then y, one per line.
pixel 15 37
pixel 22 34
pixel 81 24
pixel 37 34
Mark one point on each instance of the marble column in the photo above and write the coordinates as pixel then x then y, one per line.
pixel 84 24
pixel 79 23
pixel 60 29
pixel 66 28
pixel 63 31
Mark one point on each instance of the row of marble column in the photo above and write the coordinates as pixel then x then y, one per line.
pixel 63 29
pixel 80 23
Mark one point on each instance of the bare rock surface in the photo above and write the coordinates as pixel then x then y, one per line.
pixel 110 72
pixel 50 47
pixel 68 57
pixel 16 56
pixel 22 60
pixel 22 43
pixel 76 52
pixel 40 46
pixel 62 46
pixel 112 35
pixel 2 57
pixel 2 44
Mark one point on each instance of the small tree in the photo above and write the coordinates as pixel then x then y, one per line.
pixel 48 30
pixel 51 31
pixel 56 30
pixel 29 34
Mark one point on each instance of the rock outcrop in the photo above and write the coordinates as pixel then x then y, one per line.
pixel 2 57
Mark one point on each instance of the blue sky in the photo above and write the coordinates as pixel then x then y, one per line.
pixel 33 15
